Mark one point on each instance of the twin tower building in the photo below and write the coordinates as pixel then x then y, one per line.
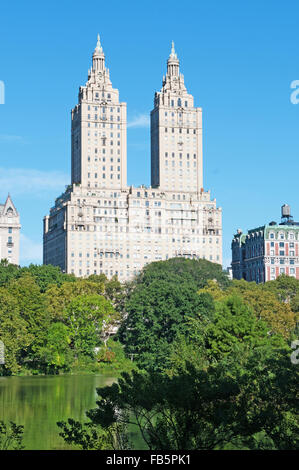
pixel 100 224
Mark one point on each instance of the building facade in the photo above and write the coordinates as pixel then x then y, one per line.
pixel 9 232
pixel 266 252
pixel 99 224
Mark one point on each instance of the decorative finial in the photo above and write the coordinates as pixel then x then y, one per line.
pixel 173 53
pixel 99 47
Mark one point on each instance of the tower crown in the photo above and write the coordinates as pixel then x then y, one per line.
pixel 98 57
pixel 173 63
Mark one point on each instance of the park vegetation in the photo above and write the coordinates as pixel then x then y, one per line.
pixel 204 361
pixel 52 323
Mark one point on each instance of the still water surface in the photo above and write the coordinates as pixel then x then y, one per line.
pixel 39 402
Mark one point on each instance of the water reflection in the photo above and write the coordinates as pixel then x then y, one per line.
pixel 39 402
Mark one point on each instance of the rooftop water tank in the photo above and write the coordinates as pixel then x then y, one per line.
pixel 285 211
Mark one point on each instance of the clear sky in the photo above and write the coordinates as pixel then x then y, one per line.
pixel 238 58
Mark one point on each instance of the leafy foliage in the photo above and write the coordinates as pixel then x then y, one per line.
pixel 159 303
pixel 216 362
pixel 51 322
pixel 247 400
pixel 207 360
pixel 11 436
pixel 89 436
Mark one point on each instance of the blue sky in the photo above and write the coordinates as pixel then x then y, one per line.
pixel 238 59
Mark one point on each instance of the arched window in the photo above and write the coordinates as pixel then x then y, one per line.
pixel 179 102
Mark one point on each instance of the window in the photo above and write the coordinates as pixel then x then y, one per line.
pixel 9 229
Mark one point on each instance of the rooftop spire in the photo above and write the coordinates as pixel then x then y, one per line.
pixel 173 53
pixel 99 48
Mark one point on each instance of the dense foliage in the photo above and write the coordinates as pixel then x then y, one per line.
pixel 213 356
pixel 11 436
pixel 51 322
pixel 160 301
pixel 205 361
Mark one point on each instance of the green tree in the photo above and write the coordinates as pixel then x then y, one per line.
pixel 235 323
pixel 11 436
pixel 86 315
pixel 8 271
pixel 247 400
pixel 58 298
pixel 89 436
pixel 156 314
pixel 46 275
pixel 266 303
pixel 14 333
pixel 284 287
pixel 194 272
pixel 56 353
pixel 33 309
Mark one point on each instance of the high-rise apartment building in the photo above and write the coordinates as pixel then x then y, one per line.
pixel 176 135
pixel 266 252
pixel 99 224
pixel 9 232
pixel 99 131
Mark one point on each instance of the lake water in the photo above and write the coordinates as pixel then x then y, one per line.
pixel 39 402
